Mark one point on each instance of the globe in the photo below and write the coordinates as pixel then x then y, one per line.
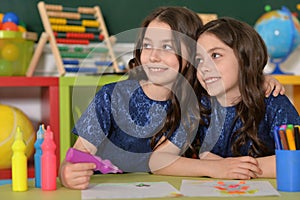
pixel 280 31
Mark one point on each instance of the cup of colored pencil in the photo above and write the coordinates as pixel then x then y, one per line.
pixel 287 142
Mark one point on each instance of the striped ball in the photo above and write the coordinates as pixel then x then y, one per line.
pixel 10 118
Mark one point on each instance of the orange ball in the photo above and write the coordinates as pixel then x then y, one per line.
pixel 1 17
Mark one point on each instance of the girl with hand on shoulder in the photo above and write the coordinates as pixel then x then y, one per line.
pixel 231 57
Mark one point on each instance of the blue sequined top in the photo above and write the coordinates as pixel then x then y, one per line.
pixel 121 120
pixel 216 138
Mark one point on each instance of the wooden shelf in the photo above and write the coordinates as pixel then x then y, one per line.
pixel 295 82
pixel 71 104
pixel 49 99
pixel 16 81
pixel 288 79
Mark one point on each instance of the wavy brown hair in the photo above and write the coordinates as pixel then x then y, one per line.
pixel 187 23
pixel 251 53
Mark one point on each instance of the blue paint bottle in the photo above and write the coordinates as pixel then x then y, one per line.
pixel 38 155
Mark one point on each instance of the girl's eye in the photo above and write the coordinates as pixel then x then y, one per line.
pixel 215 55
pixel 167 47
pixel 199 61
pixel 147 46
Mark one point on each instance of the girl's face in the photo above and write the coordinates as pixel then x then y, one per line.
pixel 158 56
pixel 219 74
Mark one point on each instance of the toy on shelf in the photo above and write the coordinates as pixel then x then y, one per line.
pixel 67 28
pixel 280 30
pixel 10 22
pixel 16 45
pixel 11 118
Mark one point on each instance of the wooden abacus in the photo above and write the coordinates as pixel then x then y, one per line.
pixel 70 26
pixel 207 17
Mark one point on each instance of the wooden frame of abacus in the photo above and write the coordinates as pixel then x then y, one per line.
pixel 47 11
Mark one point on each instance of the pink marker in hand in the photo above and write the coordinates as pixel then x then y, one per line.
pixel 104 166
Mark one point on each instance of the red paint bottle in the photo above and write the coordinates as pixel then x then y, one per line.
pixel 48 161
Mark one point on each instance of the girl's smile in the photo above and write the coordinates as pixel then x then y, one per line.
pixel 211 80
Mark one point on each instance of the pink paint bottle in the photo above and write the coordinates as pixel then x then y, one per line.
pixel 48 161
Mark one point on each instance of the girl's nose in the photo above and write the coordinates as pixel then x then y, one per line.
pixel 203 67
pixel 155 55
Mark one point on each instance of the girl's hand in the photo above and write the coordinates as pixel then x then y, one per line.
pixel 76 176
pixel 244 167
pixel 271 84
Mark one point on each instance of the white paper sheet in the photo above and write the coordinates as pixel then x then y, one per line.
pixel 130 190
pixel 225 188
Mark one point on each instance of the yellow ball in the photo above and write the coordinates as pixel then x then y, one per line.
pixel 10 118
pixel 21 29
pixel 10 52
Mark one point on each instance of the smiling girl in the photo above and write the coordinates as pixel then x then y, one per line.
pixel 231 57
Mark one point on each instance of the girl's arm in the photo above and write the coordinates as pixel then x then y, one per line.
pixel 271 84
pixel 166 160
pixel 77 176
pixel 209 156
pixel 268 166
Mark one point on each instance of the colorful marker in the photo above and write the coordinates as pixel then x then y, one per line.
pixel 277 138
pixel 283 138
pixel 297 137
pixel 290 137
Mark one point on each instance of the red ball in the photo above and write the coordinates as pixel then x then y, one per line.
pixel 9 26
pixel 101 37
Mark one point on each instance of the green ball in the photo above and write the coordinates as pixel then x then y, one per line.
pixel 268 8
pixel 6 68
pixel 21 23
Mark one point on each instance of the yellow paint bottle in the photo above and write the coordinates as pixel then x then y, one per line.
pixel 19 163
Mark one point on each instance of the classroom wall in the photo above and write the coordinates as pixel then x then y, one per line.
pixel 122 15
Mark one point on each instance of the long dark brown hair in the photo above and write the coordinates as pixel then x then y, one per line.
pixel 251 53
pixel 185 22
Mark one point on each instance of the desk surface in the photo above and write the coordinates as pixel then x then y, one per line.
pixel 64 194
